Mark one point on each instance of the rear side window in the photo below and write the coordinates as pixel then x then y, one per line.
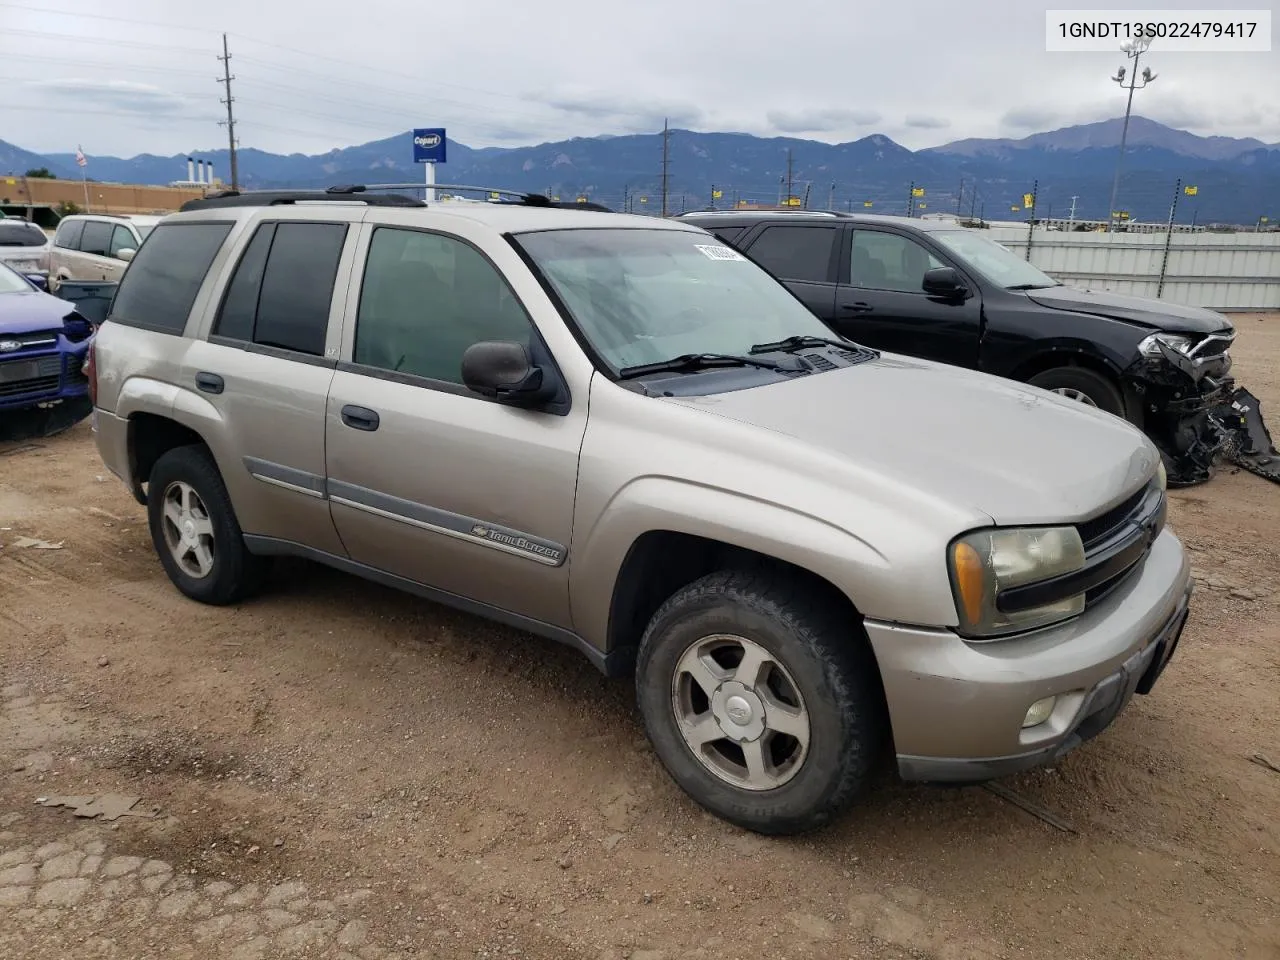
pixel 19 233
pixel 729 235
pixel 96 238
pixel 283 285
pixel 68 235
pixel 796 253
pixel 161 284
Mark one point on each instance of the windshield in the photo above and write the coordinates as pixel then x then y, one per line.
pixel 19 233
pixel 13 282
pixel 644 296
pixel 143 230
pixel 993 261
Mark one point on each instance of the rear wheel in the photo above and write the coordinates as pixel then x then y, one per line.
pixel 1082 385
pixel 762 700
pixel 195 531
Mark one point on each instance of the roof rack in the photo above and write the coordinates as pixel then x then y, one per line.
pixel 495 195
pixel 758 210
pixel 348 193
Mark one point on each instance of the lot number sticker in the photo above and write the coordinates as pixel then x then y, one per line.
pixel 713 251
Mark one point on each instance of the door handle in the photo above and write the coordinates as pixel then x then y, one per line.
pixel 360 418
pixel 209 382
pixel 859 307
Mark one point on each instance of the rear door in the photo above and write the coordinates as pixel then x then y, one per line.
pixel 66 243
pixel 804 257
pixel 94 257
pixel 881 302
pixel 267 365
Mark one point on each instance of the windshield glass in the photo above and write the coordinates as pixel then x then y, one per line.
pixel 993 261
pixel 643 296
pixel 143 230
pixel 12 282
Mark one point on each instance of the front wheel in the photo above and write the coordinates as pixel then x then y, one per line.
pixel 1082 385
pixel 762 700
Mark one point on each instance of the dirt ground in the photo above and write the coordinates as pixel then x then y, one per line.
pixel 343 771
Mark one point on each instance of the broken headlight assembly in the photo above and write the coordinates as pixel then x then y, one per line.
pixel 1150 347
pixel 986 563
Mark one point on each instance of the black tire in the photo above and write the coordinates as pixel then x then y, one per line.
pixel 235 572
pixel 828 658
pixel 1101 390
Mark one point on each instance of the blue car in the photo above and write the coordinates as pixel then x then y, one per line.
pixel 43 342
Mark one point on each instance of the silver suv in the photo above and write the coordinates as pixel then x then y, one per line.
pixel 620 434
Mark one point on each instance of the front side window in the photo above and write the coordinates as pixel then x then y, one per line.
pixel 889 261
pixel 161 284
pixel 425 299
pixel 122 239
pixel 645 296
pixel 991 260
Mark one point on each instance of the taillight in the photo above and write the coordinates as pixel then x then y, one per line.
pixel 90 371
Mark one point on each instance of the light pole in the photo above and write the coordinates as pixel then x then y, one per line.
pixel 1133 50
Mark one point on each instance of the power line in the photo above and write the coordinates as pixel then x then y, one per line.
pixel 666 162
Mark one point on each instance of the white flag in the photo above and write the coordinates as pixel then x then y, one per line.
pixel 80 157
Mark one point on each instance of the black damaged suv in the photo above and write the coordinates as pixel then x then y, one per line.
pixel 936 290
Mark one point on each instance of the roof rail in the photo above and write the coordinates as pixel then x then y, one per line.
pixel 268 198
pixel 757 210
pixel 495 195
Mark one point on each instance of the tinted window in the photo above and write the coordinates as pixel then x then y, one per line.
pixel 728 234
pixel 121 239
pixel 426 298
pixel 161 283
pixel 97 237
pixel 886 261
pixel 19 233
pixel 796 253
pixel 297 286
pixel 68 235
pixel 240 304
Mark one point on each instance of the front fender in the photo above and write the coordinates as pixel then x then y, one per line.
pixel 654 503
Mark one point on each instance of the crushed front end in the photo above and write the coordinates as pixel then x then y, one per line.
pixel 1192 409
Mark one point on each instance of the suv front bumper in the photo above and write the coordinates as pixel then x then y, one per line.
pixel 957 708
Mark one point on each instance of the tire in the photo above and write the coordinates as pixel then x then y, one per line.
pixel 233 573
pixel 1083 384
pixel 824 658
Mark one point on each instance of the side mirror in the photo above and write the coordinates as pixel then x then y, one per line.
pixel 38 280
pixel 501 369
pixel 944 282
pixel 125 254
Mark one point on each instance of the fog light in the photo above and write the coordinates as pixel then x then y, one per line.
pixel 1039 712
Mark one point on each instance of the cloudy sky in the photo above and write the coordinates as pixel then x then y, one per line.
pixel 137 76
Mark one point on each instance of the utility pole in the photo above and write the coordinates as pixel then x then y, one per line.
pixel 1031 220
pixel 1168 239
pixel 960 197
pixel 666 162
pixel 230 122
pixel 1134 51
pixel 789 178
pixel 831 197
pixel 1071 218
pixel 911 199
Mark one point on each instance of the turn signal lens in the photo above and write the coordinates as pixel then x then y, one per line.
pixel 970 582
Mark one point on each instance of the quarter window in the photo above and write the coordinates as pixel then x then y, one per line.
pixel 425 299
pixel 161 284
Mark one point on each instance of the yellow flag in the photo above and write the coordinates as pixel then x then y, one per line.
pixel 717 194
pixel 644 199
pixel 866 203
pixel 1028 201
pixel 917 191
pixel 1190 190
pixel 1015 208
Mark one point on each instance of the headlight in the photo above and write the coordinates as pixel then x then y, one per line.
pixel 989 561
pixel 1150 347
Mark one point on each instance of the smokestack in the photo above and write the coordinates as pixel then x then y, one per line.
pixel 202 171
pixel 191 175
pixel 209 171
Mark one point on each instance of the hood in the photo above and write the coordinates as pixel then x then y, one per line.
pixel 1018 454
pixel 1156 314
pixel 28 312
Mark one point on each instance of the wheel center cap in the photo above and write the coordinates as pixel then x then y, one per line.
pixel 738 710
pixel 189 530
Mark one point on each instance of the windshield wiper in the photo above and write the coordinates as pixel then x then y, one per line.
pixel 1033 286
pixel 695 361
pixel 799 342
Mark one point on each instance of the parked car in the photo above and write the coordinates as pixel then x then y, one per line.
pixel 24 246
pixel 618 433
pixel 43 342
pixel 96 246
pixel 940 291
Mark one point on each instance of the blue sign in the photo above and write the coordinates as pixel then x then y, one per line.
pixel 428 145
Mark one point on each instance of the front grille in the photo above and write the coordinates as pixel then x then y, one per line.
pixel 1214 345
pixel 47 375
pixel 27 341
pixel 1102 527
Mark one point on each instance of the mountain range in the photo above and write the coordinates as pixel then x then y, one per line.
pixel 1238 180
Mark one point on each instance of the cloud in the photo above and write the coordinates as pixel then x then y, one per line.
pixel 1031 118
pixel 142 98
pixel 622 112
pixel 922 122
pixel 820 119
